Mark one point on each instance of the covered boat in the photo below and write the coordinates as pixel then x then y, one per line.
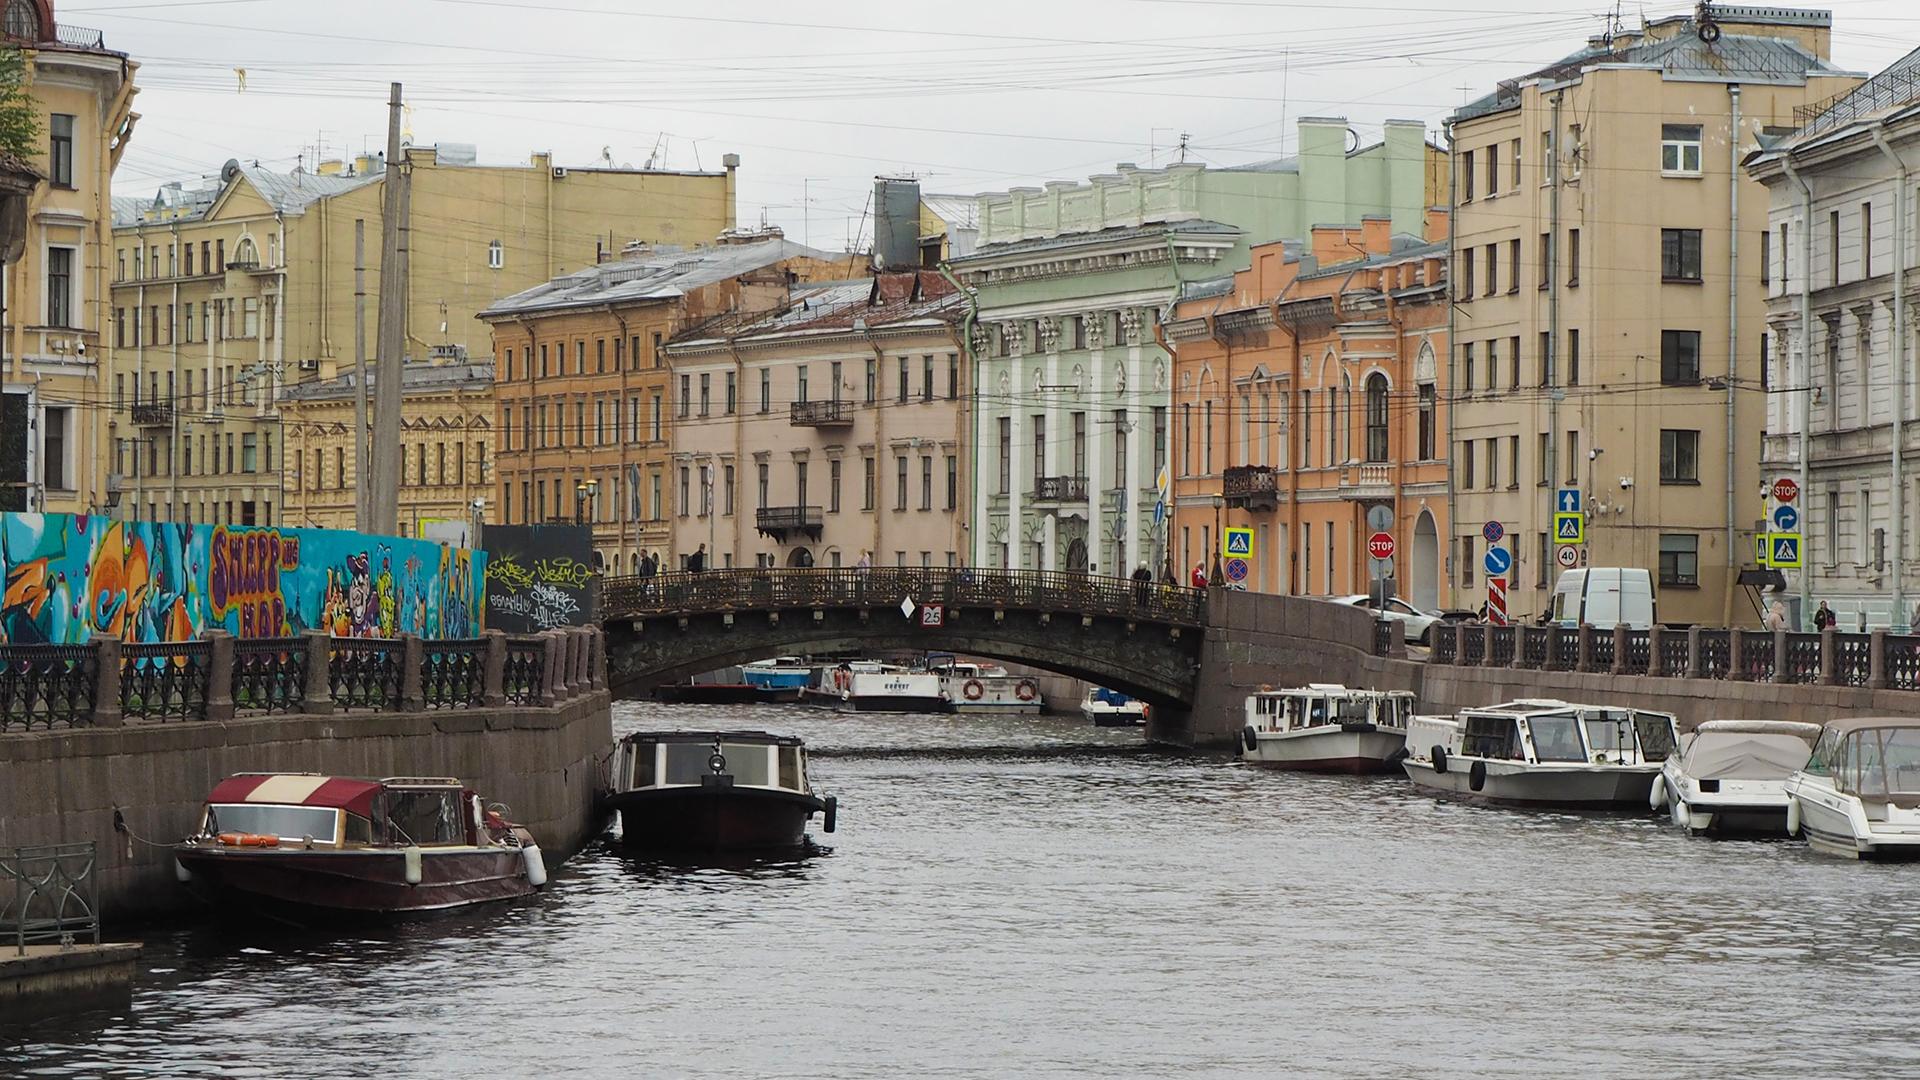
pixel 1542 752
pixel 1858 793
pixel 303 845
pixel 1327 727
pixel 1731 775
pixel 986 688
pixel 715 791
pixel 871 686
pixel 1111 708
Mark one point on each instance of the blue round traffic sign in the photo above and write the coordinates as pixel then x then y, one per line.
pixel 1498 561
pixel 1786 518
pixel 1494 532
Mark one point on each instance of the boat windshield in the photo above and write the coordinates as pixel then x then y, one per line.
pixel 264 819
pixel 1657 741
pixel 426 817
pixel 745 762
pixel 1556 737
pixel 1881 763
pixel 1610 733
pixel 1490 737
pixel 1825 751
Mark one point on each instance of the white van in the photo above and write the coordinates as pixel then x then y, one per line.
pixel 1603 597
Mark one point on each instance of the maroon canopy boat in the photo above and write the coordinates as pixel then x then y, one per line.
pixel 302 844
pixel 714 791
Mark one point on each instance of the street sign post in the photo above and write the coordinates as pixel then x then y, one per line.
pixel 1570 527
pixel 1783 550
pixel 1566 501
pixel 1236 542
pixel 933 615
pixel 1498 561
pixel 1785 489
pixel 1497 600
pixel 1493 531
pixel 1760 549
pixel 1380 545
pixel 1568 556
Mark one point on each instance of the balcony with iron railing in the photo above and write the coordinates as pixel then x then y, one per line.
pixel 821 414
pixel 1251 487
pixel 153 414
pixel 782 522
pixel 1059 489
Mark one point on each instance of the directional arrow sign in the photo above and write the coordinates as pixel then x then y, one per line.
pixel 1570 528
pixel 1786 518
pixel 1497 561
pixel 1567 501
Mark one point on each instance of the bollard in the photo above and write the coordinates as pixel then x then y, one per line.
pixel 1654 666
pixel 1877 660
pixel 318 699
pixel 1619 649
pixel 107 707
pixel 1736 656
pixel 493 685
pixel 1781 672
pixel 413 660
pixel 219 688
pixel 1695 663
pixel 1829 657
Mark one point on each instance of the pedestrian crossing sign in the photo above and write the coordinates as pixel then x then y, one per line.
pixel 1760 548
pixel 1570 528
pixel 1236 543
pixel 1783 551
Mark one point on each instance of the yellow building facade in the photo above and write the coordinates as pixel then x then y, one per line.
pixel 226 297
pixel 52 379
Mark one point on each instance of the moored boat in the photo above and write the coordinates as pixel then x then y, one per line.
pixel 1327 727
pixel 1111 708
pixel 714 791
pixel 987 688
pixel 1731 775
pixel 789 673
pixel 1858 793
pixel 307 846
pixel 1542 752
pixel 871 686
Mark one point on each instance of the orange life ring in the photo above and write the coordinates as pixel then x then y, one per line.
pixel 1146 711
pixel 1025 691
pixel 248 840
pixel 973 690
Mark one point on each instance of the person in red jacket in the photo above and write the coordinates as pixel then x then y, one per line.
pixel 1199 577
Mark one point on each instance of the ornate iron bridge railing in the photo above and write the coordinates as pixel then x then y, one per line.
pixel 821 587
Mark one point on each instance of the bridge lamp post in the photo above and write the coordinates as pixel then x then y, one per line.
pixel 1219 503
pixel 583 494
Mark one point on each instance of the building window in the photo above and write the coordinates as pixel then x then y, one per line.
pixel 926 482
pixel 800 385
pixel 1159 441
pixel 1513 267
pixel 1680 149
pixel 1679 559
pixel 657 425
pixel 600 354
pixel 900 482
pixel 1493 270
pixel 1467 366
pixel 1493 170
pixel 1006 454
pixel 1039 447
pixel 869 485
pixel 873 380
pixel 766 390
pixel 686 394
pixel 953 374
pixel 953 482
pixel 1428 421
pixel 1376 417
pixel 1079 444
pixel 60 287
pixel 903 380
pixel 1466 274
pixel 1573 258
pixel 1573 358
pixel 496 256
pixel 1679 357
pixel 833 486
pixel 1866 239
pixel 54 437
pixel 760 474
pixel 1466 177
pixel 1466 465
pixel 60 150
pixel 659 356
pixel 1680 254
pixel 1833 247
pixel 1493 463
pixel 926 378
pixel 1679 456
pixel 1493 365
pixel 732 393
pixel 1120 432
pixel 706 393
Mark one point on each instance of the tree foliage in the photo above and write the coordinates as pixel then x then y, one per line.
pixel 19 112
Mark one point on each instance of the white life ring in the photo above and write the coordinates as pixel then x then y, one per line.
pixel 1026 691
pixel 973 690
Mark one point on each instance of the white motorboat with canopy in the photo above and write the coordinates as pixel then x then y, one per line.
pixel 1731 775
pixel 1542 752
pixel 1327 727
pixel 1859 792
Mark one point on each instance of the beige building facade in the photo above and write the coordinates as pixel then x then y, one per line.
pixel 53 429
pixel 828 432
pixel 1609 329
pixel 226 296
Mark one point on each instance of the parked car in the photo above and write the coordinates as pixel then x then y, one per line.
pixel 1414 623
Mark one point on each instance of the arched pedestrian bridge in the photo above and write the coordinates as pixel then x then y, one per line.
pixel 1141 638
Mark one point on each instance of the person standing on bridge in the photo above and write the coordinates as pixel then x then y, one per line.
pixel 1199 576
pixel 697 561
pixel 1142 581
pixel 1824 617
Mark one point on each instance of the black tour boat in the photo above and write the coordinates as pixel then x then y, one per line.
pixel 714 791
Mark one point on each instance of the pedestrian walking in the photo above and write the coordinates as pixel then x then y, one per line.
pixel 1777 616
pixel 1199 576
pixel 1142 581
pixel 697 561
pixel 1823 618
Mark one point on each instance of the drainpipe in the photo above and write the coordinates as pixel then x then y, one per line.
pixel 1554 392
pixel 626 474
pixel 1733 336
pixel 1806 372
pixel 1286 431
pixel 1453 310
pixel 1900 623
pixel 976 544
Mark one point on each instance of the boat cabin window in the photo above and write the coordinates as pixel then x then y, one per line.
pixel 1881 763
pixel 425 817
pixel 1610 733
pixel 320 823
pixel 1556 737
pixel 1820 762
pixel 643 766
pixel 358 831
pixel 1355 710
pixel 1490 737
pixel 748 762
pixel 790 768
pixel 1656 735
pixel 686 762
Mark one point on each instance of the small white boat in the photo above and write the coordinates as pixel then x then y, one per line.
pixel 1542 752
pixel 1731 775
pixel 1858 794
pixel 1111 708
pixel 1327 727
pixel 987 688
pixel 871 686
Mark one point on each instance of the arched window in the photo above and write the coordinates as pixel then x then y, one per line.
pixel 1376 417
pixel 245 254
pixel 23 20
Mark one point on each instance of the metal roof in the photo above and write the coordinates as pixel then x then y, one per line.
pixel 413 377
pixel 664 274
pixel 286 192
pixel 1893 88
pixel 1124 232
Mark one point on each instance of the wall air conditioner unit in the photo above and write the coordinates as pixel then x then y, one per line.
pixel 309 365
pixel 559 172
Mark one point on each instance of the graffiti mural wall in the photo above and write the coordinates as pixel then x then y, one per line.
pixel 539 577
pixel 70 576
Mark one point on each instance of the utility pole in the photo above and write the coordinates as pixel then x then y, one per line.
pixel 362 504
pixel 385 511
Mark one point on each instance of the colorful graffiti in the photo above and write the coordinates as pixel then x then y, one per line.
pixel 70 576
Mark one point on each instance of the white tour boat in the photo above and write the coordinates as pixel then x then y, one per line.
pixel 987 688
pixel 1111 708
pixel 1542 752
pixel 871 686
pixel 1327 727
pixel 1859 792
pixel 1731 775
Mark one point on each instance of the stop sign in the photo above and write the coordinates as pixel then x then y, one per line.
pixel 1785 490
pixel 1380 545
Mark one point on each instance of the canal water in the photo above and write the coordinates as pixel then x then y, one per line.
pixel 1021 897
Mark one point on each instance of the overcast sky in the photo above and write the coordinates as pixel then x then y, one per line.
pixel 819 98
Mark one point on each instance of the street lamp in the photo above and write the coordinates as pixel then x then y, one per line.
pixel 583 492
pixel 1219 502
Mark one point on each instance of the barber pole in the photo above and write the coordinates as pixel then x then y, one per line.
pixel 1497 601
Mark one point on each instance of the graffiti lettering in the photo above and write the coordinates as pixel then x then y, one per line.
pixel 563 571
pixel 243 577
pixel 552 607
pixel 508 571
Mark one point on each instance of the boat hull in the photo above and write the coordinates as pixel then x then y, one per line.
pixel 713 818
pixel 1587 788
pixel 795 679
pixel 847 701
pixel 306 885
pixel 1352 748
pixel 724 694
pixel 1121 717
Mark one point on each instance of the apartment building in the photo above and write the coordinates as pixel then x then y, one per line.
pixel 1609 334
pixel 833 429
pixel 1068 286
pixel 1307 394
pixel 226 295
pixel 53 374
pixel 1841 194
pixel 584 407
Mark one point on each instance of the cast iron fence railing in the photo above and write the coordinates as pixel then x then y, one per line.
pixel 1716 655
pixel 453 673
pixel 1473 646
pixel 526 670
pixel 1676 651
pixel 269 674
pixel 47 686
pixel 49 895
pixel 1853 658
pixel 1599 652
pixel 1903 663
pixel 1445 646
pixel 1500 645
pixel 1383 632
pixel 1756 657
pixel 1803 657
pixel 830 587
pixel 1533 646
pixel 164 680
pixel 364 673
pixel 1639 652
pixel 1565 654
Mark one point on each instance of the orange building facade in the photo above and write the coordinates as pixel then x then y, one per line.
pixel 1309 407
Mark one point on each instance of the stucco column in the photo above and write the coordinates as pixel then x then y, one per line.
pixel 1020 468
pixel 1139 463
pixel 1099 471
